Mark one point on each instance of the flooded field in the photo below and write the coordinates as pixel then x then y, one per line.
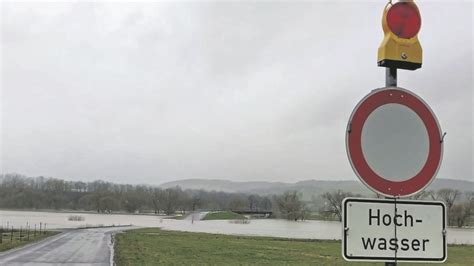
pixel 62 220
pixel 261 227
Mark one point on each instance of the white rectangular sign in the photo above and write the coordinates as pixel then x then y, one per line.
pixel 382 230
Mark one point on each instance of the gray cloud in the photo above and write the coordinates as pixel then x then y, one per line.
pixel 152 92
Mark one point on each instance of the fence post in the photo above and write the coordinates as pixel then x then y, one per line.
pixel 34 234
pixel 44 229
pixel 11 235
pixel 20 232
pixel 28 237
pixel 1 234
pixel 40 228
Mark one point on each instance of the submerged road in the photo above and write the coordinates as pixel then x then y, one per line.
pixel 74 247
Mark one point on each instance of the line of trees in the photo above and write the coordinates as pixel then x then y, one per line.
pixel 20 192
pixel 459 206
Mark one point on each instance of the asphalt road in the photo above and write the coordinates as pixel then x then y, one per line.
pixel 75 247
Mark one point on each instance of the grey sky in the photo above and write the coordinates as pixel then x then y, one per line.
pixel 154 92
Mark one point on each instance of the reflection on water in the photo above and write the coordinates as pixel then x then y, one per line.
pixel 262 227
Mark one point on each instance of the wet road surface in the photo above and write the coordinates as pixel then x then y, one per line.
pixel 74 247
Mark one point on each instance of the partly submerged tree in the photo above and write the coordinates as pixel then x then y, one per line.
pixel 462 213
pixel 448 196
pixel 290 206
pixel 334 200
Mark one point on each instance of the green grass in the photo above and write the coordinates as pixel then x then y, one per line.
pixel 9 242
pixel 153 246
pixel 225 215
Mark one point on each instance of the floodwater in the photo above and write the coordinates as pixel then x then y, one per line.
pixel 60 220
pixel 259 227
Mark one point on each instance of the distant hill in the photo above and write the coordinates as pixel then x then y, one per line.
pixel 226 185
pixel 307 187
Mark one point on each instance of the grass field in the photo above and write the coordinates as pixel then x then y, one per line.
pixel 153 246
pixel 10 240
pixel 225 215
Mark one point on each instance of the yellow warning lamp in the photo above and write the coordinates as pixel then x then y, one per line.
pixel 400 48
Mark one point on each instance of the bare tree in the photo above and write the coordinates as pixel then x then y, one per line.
pixel 156 199
pixel 265 204
pixel 253 201
pixel 108 204
pixel 290 205
pixel 461 213
pixel 432 194
pixel 195 201
pixel 237 202
pixel 421 195
pixel 334 200
pixel 448 196
pixel 170 200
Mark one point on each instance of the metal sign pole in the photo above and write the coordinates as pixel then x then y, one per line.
pixel 391 80
pixel 394 263
pixel 390 77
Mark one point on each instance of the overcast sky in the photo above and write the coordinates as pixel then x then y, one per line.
pixel 154 92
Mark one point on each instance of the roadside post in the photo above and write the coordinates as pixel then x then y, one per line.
pixel 395 146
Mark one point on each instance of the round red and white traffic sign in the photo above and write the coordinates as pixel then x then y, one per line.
pixel 394 142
